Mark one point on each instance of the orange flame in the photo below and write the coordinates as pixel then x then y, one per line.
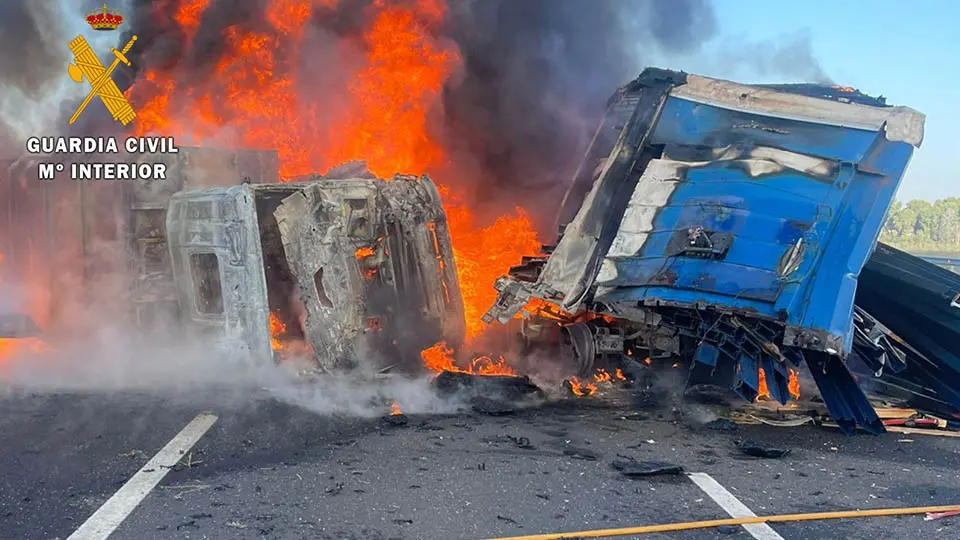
pixel 4 346
pixel 7 346
pixel 277 329
pixel 383 120
pixel 380 116
pixel 440 358
pixel 25 346
pixel 793 385
pixel 762 391
pixel 395 409
pixel 483 254
pixel 287 346
pixel 13 347
pixel 188 16
pixel 364 252
pixel 580 388
pixel 602 376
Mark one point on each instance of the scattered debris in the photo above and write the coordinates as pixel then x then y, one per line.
pixel 502 387
pixel 492 407
pixel 788 421
pixel 395 419
pixel 187 462
pixel 911 422
pixel 185 489
pixel 192 524
pixel 638 469
pixel 892 413
pixel 934 432
pixel 931 516
pixel 721 424
pixel 708 394
pixel 574 387
pixel 761 450
pixel 522 442
pixel 581 454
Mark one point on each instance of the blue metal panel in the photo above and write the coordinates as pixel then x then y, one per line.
pixel 787 225
pixel 727 280
pixel 707 354
pixel 844 251
pixel 747 382
pixel 695 124
pixel 839 217
pixel 659 294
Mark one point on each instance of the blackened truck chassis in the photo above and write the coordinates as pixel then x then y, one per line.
pixel 727 224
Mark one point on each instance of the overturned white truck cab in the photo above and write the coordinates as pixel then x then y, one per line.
pixel 351 271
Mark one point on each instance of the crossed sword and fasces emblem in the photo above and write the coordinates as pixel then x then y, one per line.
pixel 89 66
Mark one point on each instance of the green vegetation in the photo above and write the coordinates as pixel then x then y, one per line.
pixel 924 227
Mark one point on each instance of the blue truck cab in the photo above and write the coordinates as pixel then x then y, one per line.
pixel 726 223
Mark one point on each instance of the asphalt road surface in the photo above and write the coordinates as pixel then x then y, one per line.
pixel 269 470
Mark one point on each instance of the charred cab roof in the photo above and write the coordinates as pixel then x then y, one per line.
pixel 843 94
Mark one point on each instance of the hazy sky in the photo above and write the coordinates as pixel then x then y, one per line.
pixel 906 51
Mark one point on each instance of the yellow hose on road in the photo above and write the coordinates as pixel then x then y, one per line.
pixel 669 527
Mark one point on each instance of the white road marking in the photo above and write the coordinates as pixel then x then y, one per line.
pixel 733 506
pixel 106 520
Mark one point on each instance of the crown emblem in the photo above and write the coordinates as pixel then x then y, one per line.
pixel 105 20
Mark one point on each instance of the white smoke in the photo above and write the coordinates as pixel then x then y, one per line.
pixel 117 361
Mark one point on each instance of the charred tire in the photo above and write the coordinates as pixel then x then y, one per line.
pixel 578 349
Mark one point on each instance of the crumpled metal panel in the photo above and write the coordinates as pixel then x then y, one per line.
pixel 910 323
pixel 221 222
pixel 314 228
pixel 414 296
pixel 413 208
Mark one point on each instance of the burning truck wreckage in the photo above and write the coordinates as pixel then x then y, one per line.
pixel 727 230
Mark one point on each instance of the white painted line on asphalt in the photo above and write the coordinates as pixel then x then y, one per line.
pixel 733 506
pixel 106 520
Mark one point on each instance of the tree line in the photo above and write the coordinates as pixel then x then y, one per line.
pixel 924 227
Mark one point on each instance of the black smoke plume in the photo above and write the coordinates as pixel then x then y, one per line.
pixel 32 59
pixel 31 52
pixel 535 73
pixel 537 77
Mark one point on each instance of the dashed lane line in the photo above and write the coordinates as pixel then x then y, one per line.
pixel 109 516
pixel 733 506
